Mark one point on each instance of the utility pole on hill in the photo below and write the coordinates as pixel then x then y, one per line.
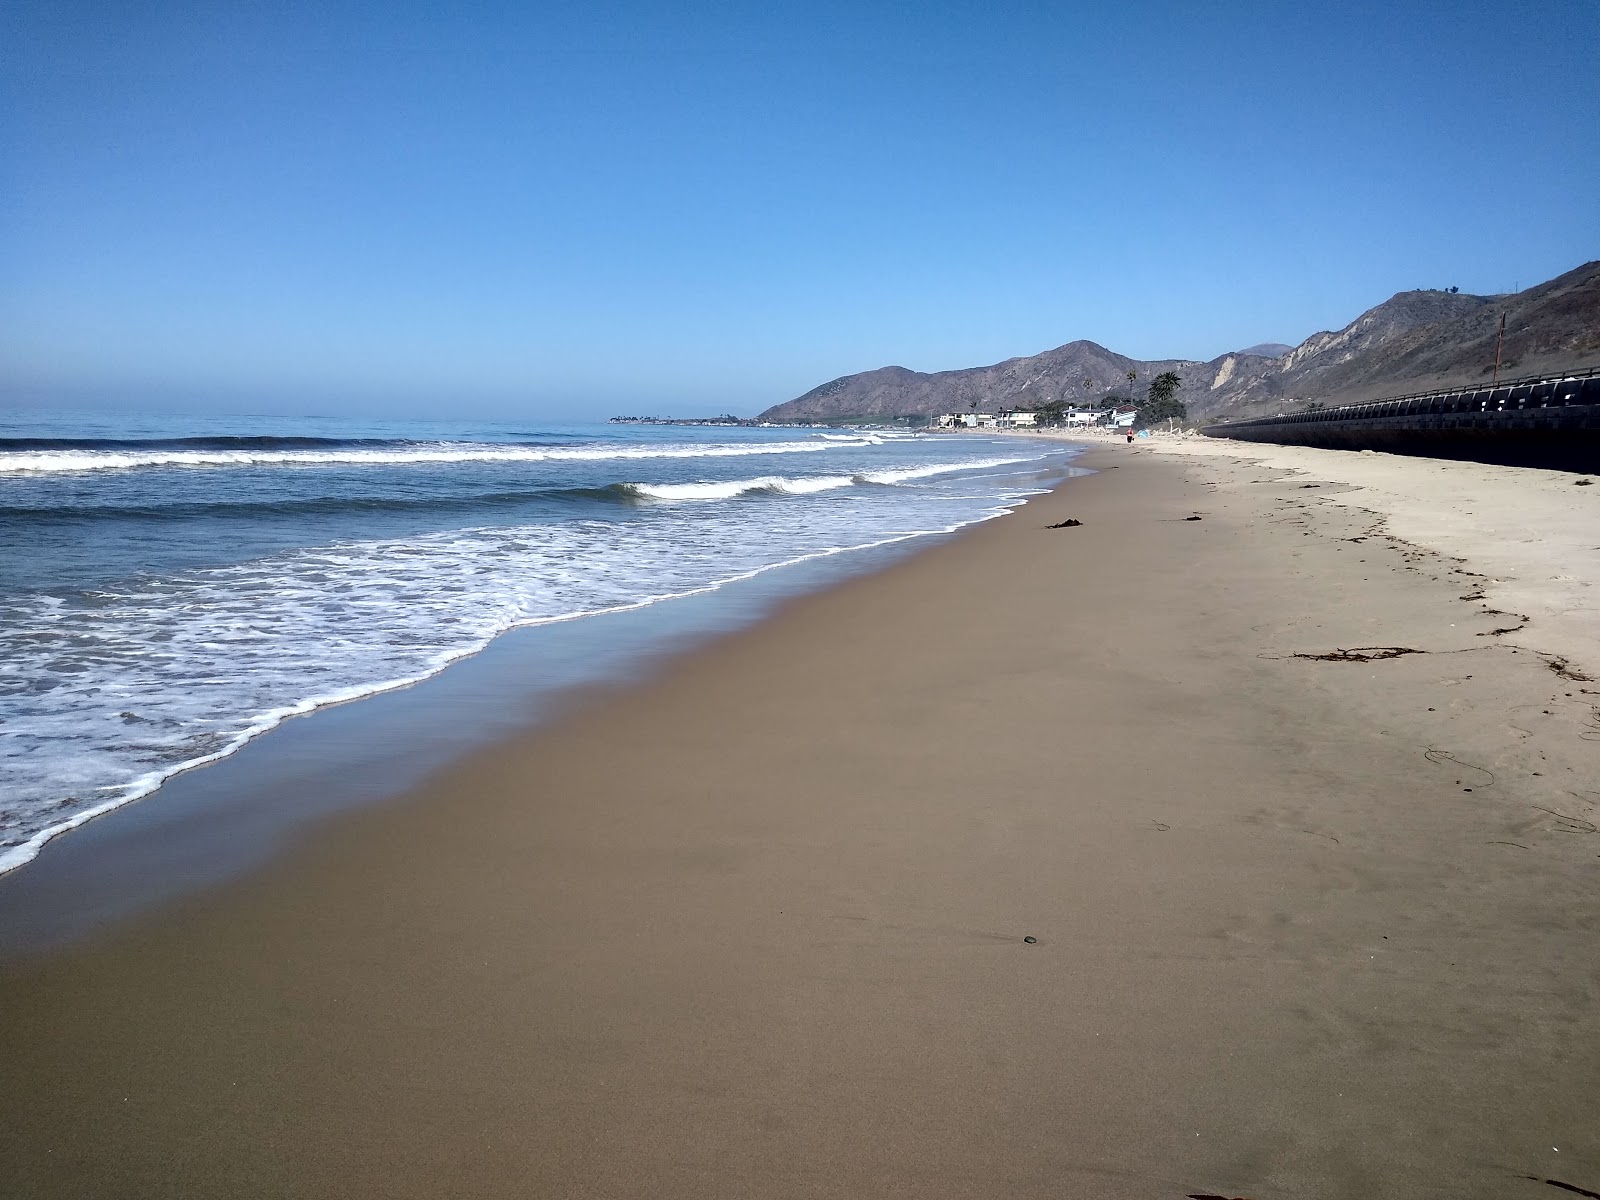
pixel 1498 343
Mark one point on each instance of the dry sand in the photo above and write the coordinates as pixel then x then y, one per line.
pixel 1532 536
pixel 1304 928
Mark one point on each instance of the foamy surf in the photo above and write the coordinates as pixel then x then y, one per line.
pixel 78 461
pixel 803 485
pixel 777 485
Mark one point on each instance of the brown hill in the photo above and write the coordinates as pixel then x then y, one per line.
pixel 1413 341
pixel 1421 340
pixel 1079 373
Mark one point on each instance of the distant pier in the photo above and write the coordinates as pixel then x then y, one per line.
pixel 1548 421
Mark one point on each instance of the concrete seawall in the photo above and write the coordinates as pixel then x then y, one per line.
pixel 1550 421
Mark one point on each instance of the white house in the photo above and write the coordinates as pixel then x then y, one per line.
pixel 1010 417
pixel 971 420
pixel 1081 416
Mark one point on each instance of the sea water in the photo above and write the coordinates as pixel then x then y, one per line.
pixel 172 587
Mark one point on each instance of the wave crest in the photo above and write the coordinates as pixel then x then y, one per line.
pixel 804 485
pixel 45 462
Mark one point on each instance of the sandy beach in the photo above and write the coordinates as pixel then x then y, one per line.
pixel 1248 855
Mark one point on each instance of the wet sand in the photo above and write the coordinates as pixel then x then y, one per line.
pixel 1304 927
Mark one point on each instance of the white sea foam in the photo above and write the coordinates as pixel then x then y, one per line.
pixel 728 489
pixel 63 461
pixel 805 485
pixel 906 474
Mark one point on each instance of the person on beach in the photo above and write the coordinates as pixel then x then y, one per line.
pixel 1130 435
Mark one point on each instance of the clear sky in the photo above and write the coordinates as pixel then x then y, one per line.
pixel 577 209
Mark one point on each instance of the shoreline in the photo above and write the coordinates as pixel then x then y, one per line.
pixel 176 835
pixel 15 857
pixel 756 924
pixel 78 754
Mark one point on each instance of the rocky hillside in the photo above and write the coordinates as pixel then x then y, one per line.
pixel 1413 341
pixel 1420 340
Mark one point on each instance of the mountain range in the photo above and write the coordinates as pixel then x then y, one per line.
pixel 1414 341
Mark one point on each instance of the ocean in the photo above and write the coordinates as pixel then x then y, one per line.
pixel 172 587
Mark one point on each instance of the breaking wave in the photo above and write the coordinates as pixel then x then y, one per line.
pixel 804 485
pixel 30 459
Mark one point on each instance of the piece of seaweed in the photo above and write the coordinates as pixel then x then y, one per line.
pixel 1361 654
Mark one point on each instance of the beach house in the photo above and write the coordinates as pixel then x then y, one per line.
pixel 974 420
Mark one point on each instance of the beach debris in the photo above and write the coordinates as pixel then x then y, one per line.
pixel 1440 757
pixel 1069 523
pixel 1503 629
pixel 1582 482
pixel 1192 518
pixel 1031 940
pixel 1563 668
pixel 1212 1196
pixel 1361 654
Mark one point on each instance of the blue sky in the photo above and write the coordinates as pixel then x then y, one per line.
pixel 579 209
